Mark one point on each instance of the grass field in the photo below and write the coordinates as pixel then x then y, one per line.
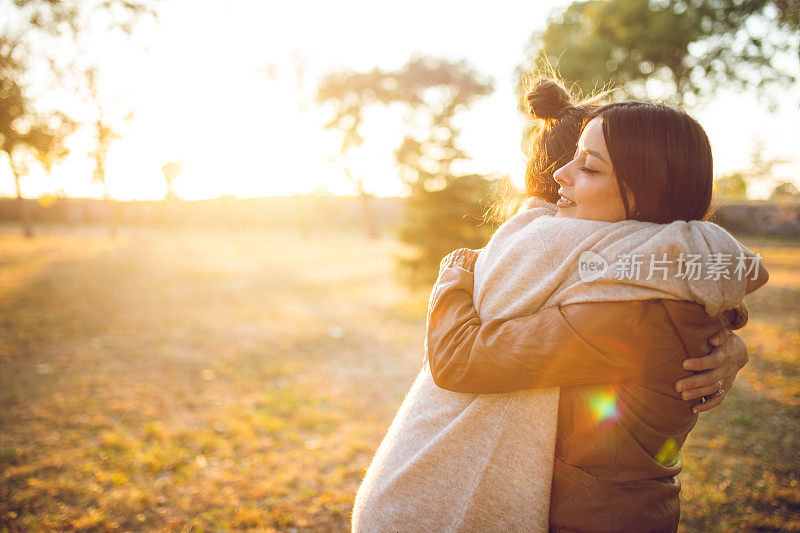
pixel 187 380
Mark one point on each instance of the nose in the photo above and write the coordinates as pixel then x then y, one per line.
pixel 562 175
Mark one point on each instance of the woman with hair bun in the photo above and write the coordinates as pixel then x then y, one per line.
pixel 560 120
pixel 549 378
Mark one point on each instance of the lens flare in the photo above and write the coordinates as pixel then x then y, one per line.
pixel 603 405
pixel 668 453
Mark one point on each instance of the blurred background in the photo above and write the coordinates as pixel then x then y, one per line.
pixel 219 223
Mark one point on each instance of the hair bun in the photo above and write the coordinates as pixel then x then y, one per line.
pixel 548 100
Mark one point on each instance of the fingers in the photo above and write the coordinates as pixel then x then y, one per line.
pixel 711 361
pixel 717 371
pixel 695 385
pixel 709 403
pixel 698 392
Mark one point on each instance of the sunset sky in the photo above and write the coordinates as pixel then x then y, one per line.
pixel 200 93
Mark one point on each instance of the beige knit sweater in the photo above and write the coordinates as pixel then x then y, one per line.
pixel 467 462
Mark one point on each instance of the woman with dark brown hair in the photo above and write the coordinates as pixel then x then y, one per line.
pixel 464 462
pixel 621 423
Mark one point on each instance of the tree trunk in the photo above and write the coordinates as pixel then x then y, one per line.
pixel 24 214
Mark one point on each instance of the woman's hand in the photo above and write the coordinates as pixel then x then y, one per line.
pixel 717 371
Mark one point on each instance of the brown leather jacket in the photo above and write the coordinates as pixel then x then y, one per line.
pixel 621 423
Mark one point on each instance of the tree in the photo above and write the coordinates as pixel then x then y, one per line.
pixel 731 186
pixel 432 91
pixel 674 49
pixel 350 93
pixel 27 27
pixel 440 221
pixel 444 209
pixel 66 17
pixel 105 130
pixel 23 131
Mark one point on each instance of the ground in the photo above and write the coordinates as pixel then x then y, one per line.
pixel 214 380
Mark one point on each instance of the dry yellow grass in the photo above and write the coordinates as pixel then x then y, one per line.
pixel 190 380
pixel 742 467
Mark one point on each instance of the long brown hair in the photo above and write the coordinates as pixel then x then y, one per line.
pixel 661 158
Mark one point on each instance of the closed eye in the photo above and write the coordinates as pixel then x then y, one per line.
pixel 589 170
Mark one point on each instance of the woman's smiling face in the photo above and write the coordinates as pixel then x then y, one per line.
pixel 588 183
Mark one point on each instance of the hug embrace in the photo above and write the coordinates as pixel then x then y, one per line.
pixel 567 361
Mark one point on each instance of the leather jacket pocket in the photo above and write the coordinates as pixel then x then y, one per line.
pixel 574 474
pixel 579 501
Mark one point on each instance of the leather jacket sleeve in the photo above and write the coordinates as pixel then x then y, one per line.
pixel 576 344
